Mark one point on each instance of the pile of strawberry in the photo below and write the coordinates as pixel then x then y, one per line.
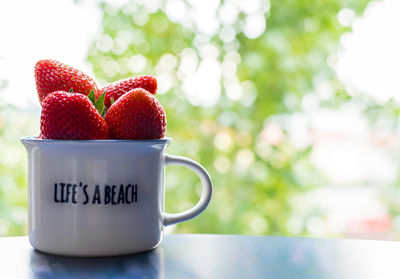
pixel 74 108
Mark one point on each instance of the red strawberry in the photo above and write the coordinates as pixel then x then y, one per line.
pixel 71 116
pixel 51 75
pixel 136 115
pixel 119 88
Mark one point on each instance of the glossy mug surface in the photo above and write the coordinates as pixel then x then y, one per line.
pixel 101 197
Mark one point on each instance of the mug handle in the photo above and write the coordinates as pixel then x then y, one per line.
pixel 170 219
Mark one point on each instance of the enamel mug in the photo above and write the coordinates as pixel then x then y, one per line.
pixel 101 197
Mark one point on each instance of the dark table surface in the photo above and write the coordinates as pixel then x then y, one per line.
pixel 215 256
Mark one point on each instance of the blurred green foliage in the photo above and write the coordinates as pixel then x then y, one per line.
pixel 14 123
pixel 254 180
pixel 255 170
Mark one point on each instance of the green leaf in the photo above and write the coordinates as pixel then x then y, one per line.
pixel 92 98
pixel 71 90
pixel 104 112
pixel 112 101
pixel 99 104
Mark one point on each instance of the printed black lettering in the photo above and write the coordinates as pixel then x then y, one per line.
pixel 79 193
pixel 107 194
pixel 68 192
pixel 62 192
pixel 55 192
pixel 96 195
pixel 121 196
pixel 85 193
pixel 74 193
pixel 134 193
pixel 113 194
pixel 126 193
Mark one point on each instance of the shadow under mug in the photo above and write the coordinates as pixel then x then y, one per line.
pixel 101 197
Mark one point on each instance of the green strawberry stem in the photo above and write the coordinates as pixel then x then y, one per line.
pixel 99 103
pixel 91 97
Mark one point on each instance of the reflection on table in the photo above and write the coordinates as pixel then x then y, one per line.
pixel 215 256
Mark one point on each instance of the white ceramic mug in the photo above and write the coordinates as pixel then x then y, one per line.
pixel 101 197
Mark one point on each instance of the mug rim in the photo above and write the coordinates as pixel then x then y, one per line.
pixel 36 140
